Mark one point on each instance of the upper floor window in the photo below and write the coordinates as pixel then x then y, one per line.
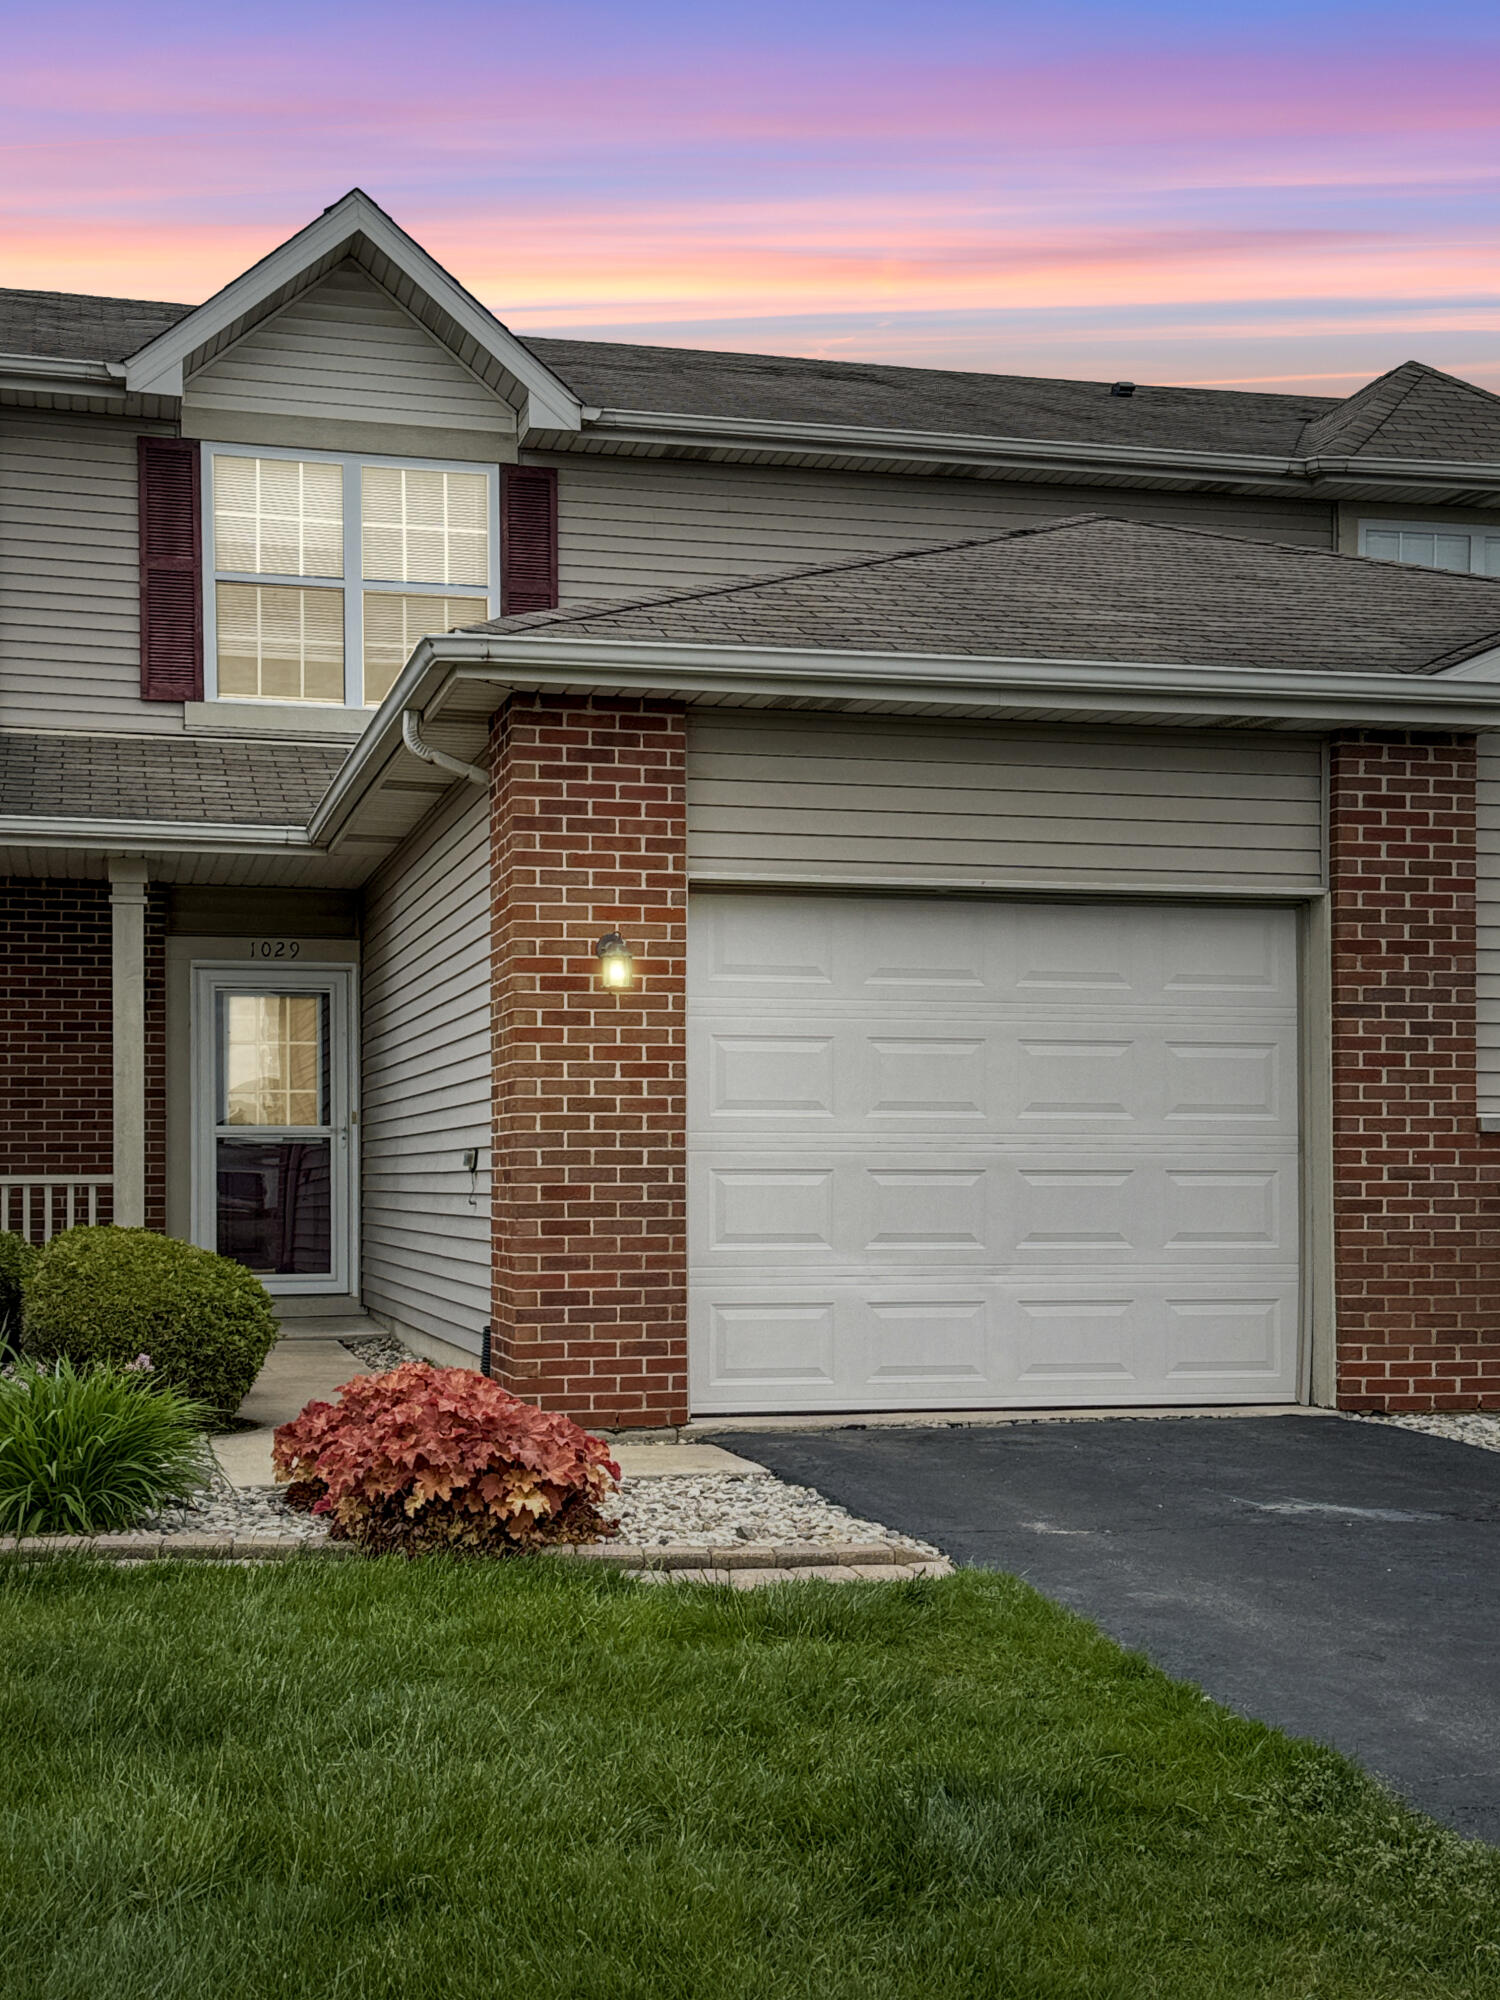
pixel 1475 551
pixel 325 569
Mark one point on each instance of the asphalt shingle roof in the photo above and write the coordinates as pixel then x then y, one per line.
pixel 1090 588
pixel 1414 412
pixel 80 327
pixel 164 778
pixel 775 388
pixel 698 382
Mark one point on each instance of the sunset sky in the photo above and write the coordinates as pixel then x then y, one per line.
pixel 1274 195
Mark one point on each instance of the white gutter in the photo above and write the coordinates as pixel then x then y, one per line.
pixel 138 834
pixel 981 449
pixel 551 655
pixel 41 373
pixel 877 441
pixel 861 682
pixel 1450 471
pixel 682 430
pixel 411 722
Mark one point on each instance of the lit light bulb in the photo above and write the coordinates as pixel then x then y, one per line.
pixel 616 966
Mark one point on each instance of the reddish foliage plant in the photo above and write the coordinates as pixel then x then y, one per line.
pixel 441 1458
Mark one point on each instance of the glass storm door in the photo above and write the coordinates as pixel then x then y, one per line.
pixel 273 1170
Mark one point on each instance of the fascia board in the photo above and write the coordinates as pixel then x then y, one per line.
pixel 1365 470
pixel 899 679
pixel 879 682
pixel 420 685
pixel 158 367
pixel 42 371
pixel 752 434
pixel 194 837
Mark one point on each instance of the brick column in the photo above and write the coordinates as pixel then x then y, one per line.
pixel 588 832
pixel 1417 1188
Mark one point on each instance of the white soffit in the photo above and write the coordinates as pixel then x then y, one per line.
pixel 351 227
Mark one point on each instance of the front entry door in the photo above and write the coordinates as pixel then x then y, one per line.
pixel 274 1124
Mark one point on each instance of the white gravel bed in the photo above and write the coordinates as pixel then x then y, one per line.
pixel 683 1510
pixel 708 1508
pixel 1480 1427
pixel 238 1510
pixel 378 1353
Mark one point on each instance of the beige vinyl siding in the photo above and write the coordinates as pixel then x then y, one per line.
pixel 1489 926
pixel 633 525
pixel 800 798
pixel 346 351
pixel 426 1079
pixel 70 576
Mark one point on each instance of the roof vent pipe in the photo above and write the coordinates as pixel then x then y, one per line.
pixel 411 736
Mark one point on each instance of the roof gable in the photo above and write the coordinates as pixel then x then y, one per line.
pixel 1412 412
pixel 345 349
pixel 356 229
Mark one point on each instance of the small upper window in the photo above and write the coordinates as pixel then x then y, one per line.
pixel 327 569
pixel 1473 551
pixel 425 527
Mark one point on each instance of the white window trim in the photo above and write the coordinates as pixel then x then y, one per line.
pixel 352 583
pixel 1473 529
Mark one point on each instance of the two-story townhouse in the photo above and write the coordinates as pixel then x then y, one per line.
pixel 1047 833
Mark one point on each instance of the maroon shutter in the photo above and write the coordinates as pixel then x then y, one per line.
pixel 171 593
pixel 528 538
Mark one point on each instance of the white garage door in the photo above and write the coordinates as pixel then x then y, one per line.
pixel 951 1154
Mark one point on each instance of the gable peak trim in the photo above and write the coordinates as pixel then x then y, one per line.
pixel 341 231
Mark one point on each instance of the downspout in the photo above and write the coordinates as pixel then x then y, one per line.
pixel 455 766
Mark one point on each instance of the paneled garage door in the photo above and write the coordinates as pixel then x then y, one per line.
pixel 951 1154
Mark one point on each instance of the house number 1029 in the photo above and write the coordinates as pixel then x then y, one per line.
pixel 275 948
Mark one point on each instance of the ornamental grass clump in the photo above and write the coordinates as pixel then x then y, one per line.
pixel 426 1458
pixel 95 1450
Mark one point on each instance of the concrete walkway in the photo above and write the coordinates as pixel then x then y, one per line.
pixel 303 1370
pixel 296 1373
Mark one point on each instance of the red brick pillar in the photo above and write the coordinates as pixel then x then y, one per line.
pixel 588 833
pixel 1417 1189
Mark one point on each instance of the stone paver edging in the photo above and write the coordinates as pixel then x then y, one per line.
pixel 743 1563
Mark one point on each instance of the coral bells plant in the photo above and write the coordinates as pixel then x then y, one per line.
pixel 441 1458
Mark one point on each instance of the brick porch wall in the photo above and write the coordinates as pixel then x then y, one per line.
pixel 1417 1187
pixel 588 832
pixel 56 1047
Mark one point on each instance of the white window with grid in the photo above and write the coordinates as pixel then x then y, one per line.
pixel 326 568
pixel 1472 551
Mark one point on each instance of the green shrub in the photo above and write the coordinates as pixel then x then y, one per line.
pixel 16 1259
pixel 90 1452
pixel 108 1295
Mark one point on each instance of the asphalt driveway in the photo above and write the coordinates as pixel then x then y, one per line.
pixel 1339 1579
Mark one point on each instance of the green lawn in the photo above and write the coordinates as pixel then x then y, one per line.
pixel 372 1781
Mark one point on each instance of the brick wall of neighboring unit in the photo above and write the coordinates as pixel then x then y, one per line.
pixel 589 836
pixel 156 1056
pixel 56 1052
pixel 1417 1188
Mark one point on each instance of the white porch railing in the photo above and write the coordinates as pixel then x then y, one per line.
pixel 38 1208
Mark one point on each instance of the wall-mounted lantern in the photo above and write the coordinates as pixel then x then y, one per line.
pixel 616 966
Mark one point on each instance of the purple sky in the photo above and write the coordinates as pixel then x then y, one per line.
pixel 1270 195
